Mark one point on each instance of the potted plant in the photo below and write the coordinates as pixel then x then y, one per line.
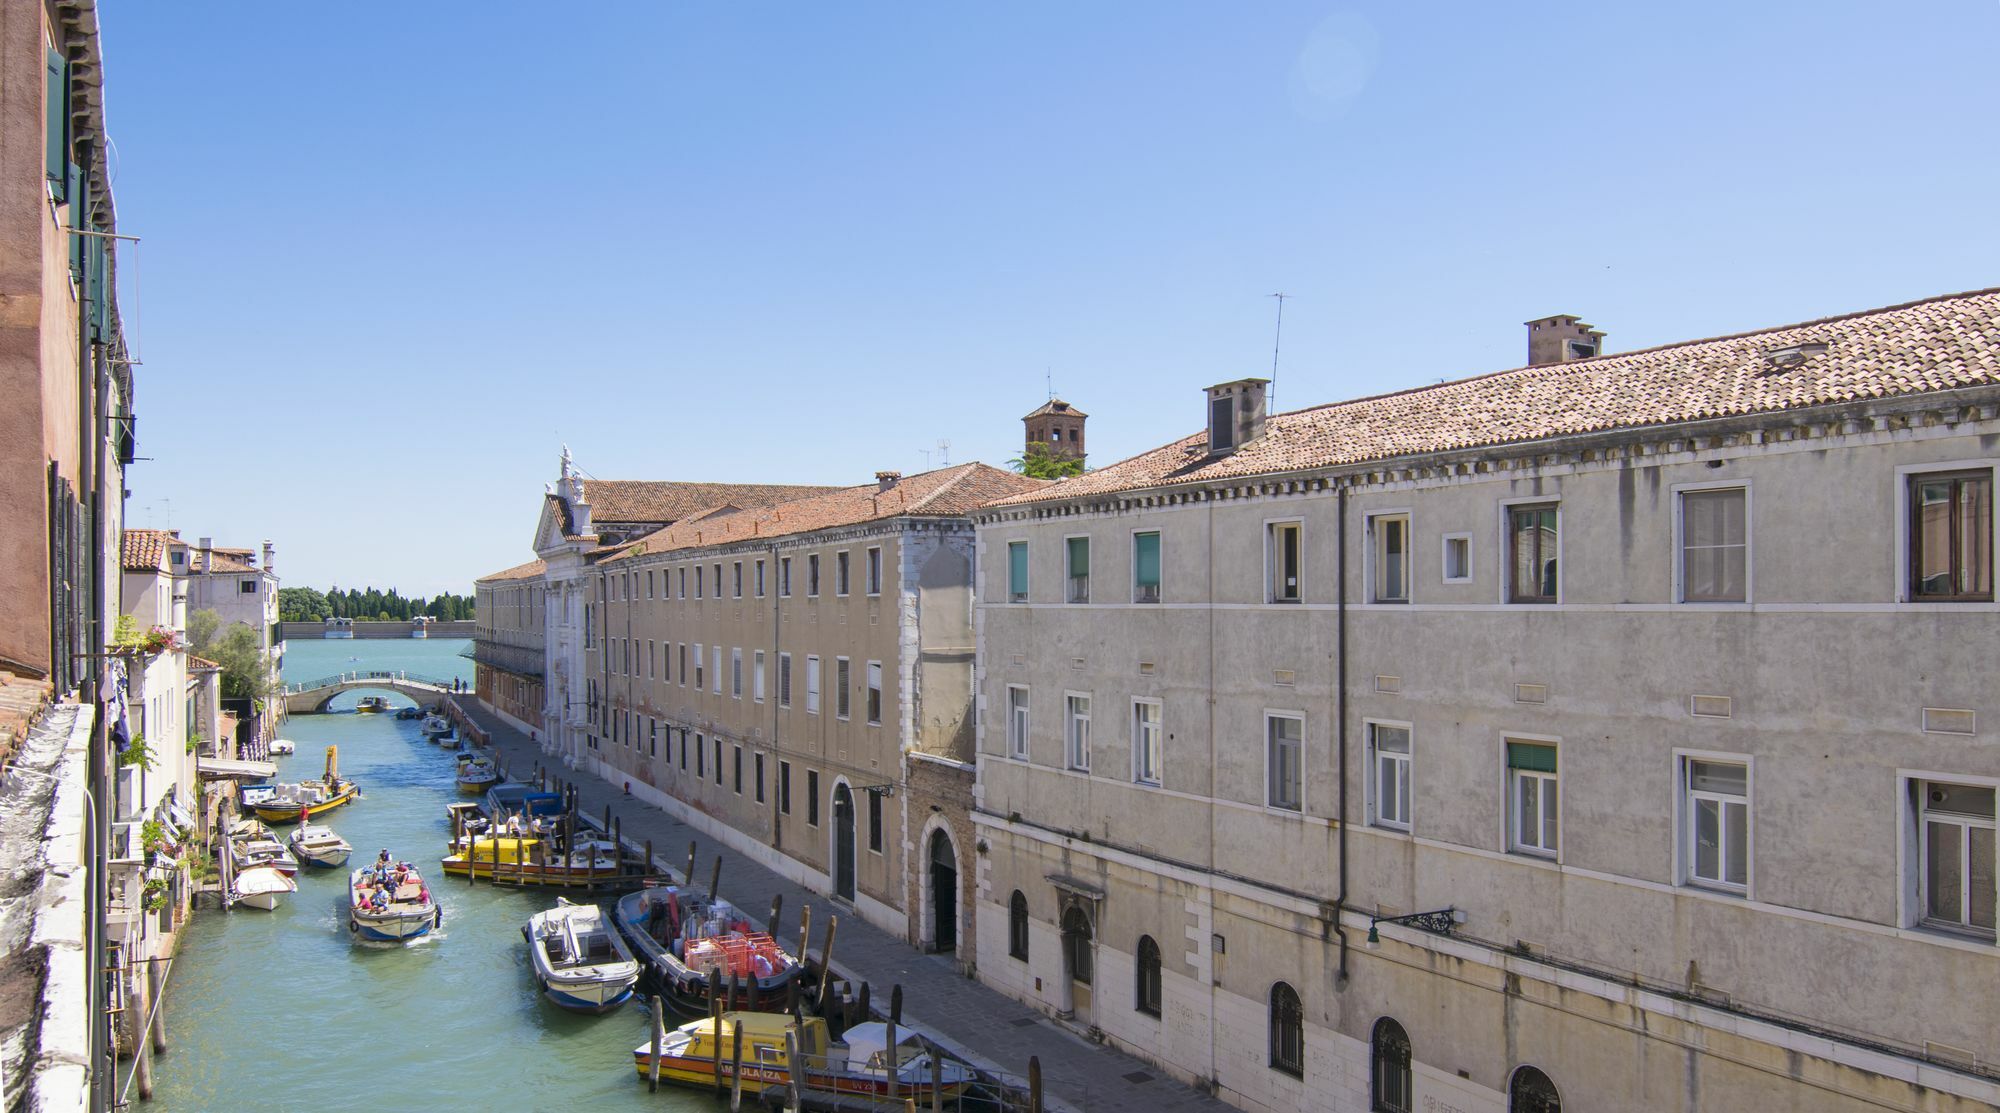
pixel 154 894
pixel 137 753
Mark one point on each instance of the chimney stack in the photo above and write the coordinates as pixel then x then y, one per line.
pixel 1235 414
pixel 205 555
pixel 885 481
pixel 1562 338
pixel 268 552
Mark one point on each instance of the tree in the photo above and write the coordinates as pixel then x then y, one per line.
pixel 302 604
pixel 1037 462
pixel 245 675
pixel 201 627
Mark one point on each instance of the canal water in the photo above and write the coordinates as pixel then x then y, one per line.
pixel 284 1011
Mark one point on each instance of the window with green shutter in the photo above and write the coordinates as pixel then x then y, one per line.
pixel 1078 570
pixel 56 160
pixel 1017 571
pixel 79 217
pixel 1530 756
pixel 1145 568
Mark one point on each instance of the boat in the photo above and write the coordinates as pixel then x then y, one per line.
pixel 580 960
pixel 682 936
pixel 476 774
pixel 410 712
pixel 283 747
pixel 509 859
pixel 262 886
pixel 316 845
pixel 391 903
pixel 860 1064
pixel 291 803
pixel 251 845
pixel 371 705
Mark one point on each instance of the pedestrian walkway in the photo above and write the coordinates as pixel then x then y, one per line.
pixel 993 1032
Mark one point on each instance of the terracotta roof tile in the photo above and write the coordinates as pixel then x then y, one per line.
pixel 946 492
pixel 203 663
pixel 527 571
pixel 145 550
pixel 1056 406
pixel 1938 344
pixel 218 562
pixel 633 500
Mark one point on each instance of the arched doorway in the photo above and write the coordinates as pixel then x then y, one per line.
pixel 1077 960
pixel 944 892
pixel 843 842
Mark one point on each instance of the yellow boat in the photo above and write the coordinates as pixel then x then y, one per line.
pixel 291 803
pixel 526 860
pixel 859 1064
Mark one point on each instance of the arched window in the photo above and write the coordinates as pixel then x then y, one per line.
pixel 1389 1055
pixel 1288 1031
pixel 1530 1091
pixel 1017 926
pixel 1149 976
pixel 1076 944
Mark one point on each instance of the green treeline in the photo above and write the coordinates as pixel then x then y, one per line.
pixel 306 604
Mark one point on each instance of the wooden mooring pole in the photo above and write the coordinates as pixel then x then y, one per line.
pixel 736 1071
pixel 715 1024
pixel 687 875
pixel 1034 1084
pixel 659 1038
pixel 826 964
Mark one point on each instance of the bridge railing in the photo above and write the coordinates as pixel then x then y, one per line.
pixel 363 677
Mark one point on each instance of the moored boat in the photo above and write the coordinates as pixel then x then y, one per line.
pixel 410 712
pixel 282 747
pixel 682 935
pixel 580 961
pixel 262 887
pixel 293 803
pixel 317 845
pixel 531 860
pixel 391 903
pixel 860 1064
pixel 251 845
pixel 476 774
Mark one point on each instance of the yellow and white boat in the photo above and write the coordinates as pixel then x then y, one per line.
pixel 295 803
pixel 860 1064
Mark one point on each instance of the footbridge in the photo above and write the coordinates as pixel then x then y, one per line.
pixel 313 696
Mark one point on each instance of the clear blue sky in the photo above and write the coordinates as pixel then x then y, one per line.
pixel 395 256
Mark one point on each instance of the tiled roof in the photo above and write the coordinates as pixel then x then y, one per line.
pixel 202 663
pixel 1056 406
pixel 633 500
pixel 527 571
pixel 946 492
pixel 1939 344
pixel 145 550
pixel 218 562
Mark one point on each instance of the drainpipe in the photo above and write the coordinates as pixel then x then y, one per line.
pixel 1208 530
pixel 1340 719
pixel 771 693
pixel 90 450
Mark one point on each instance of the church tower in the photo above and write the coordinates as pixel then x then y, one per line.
pixel 1059 426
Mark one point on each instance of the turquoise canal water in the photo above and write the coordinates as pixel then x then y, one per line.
pixel 283 1011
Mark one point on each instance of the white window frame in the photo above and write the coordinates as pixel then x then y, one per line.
pixel 1684 805
pixel 757 676
pixel 1266 744
pixel 1066 577
pixel 1680 542
pixel 1912 897
pixel 1906 472
pixel 736 579
pixel 758 577
pixel 1371 561
pixel 871 672
pixel 784 577
pixel 784 679
pixel 1076 744
pixel 1505 547
pixel 1372 778
pixel 812 575
pixel 843 573
pixel 1444 559
pixel 1007 591
pixel 736 673
pixel 1020 719
pixel 812 683
pixel 1510 818
pixel 1140 744
pixel 1271 557
pixel 1132 565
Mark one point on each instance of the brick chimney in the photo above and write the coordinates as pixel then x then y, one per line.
pixel 1235 414
pixel 1562 338
pixel 885 481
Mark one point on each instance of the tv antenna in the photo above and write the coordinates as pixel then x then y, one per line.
pixel 1271 396
pixel 1049 380
pixel 944 453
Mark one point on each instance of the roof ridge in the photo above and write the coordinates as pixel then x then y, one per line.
pixel 937 492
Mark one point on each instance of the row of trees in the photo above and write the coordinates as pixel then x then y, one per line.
pixel 305 604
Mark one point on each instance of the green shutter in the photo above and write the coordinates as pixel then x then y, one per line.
pixel 1079 556
pixel 56 161
pixel 1533 757
pixel 1146 559
pixel 1017 568
pixel 79 209
pixel 97 253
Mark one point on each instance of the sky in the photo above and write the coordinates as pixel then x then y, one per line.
pixel 393 258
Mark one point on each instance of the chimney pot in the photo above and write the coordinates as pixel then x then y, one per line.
pixel 886 481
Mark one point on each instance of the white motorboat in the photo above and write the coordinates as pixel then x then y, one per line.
pixel 317 845
pixel 251 844
pixel 581 962
pixel 391 903
pixel 283 747
pixel 262 886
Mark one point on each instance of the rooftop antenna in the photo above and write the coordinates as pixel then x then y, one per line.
pixel 926 454
pixel 1271 396
pixel 944 453
pixel 1049 380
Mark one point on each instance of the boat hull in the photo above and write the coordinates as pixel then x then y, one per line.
pixel 324 860
pixel 266 901
pixel 594 999
pixel 280 814
pixel 693 1071
pixel 391 929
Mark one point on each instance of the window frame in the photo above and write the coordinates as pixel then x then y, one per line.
pixel 871 674
pixel 784 787
pixel 757 676
pixel 1508 594
pixel 812 575
pixel 1907 476
pixel 872 570
pixel 1271 715
pixel 1159 742
pixel 1372 557
pixel 843 573
pixel 1679 492
pixel 1076 744
pixel 1148 989
pixel 784 577
pixel 1912 854
pixel 1069 578
pixel 736 672
pixel 1017 926
pixel 843 687
pixel 874 821
pixel 1284 1057
pixel 812 797
pixel 1381 1055
pixel 1027 577
pixel 1511 813
pixel 1274 554
pixel 784 679
pixel 1017 748
pixel 757 576
pixel 1686 797
pixel 1444 559
pixel 812 684
pixel 736 579
pixel 1132 555
pixel 1372 778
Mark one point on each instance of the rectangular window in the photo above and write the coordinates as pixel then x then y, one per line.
pixel 1715 546
pixel 649 586
pixel 784 680
pixel 652 659
pixel 758 769
pixel 1076 732
pixel 1717 821
pixel 736 579
pixel 684 583
pixel 715 669
pixel 736 757
pixel 875 692
pixel 1532 798
pixel 757 677
pixel 840 572
pixel 812 575
pixel 1017 571
pixel 812 685
pixel 697 581
pixel 1284 757
pixel 1951 537
pixel 1955 859
pixel 718 760
pixel 1389 756
pixel 785 788
pixel 718 579
pixel 785 576
pixel 812 797
pixel 1145 567
pixel 1017 722
pixel 1389 534
pixel 874 821
pixel 700 757
pixel 1076 568
pixel 1146 736
pixel 684 749
pixel 697 666
pixel 841 687
pixel 736 673
pixel 759 578
pixel 1531 543
pixel 684 665
pixel 1221 424
pixel 875 571
pixel 1458 558
pixel 1282 540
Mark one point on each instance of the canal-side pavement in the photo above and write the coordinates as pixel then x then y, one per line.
pixel 978 1024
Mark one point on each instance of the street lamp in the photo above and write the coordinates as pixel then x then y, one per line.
pixel 1439 922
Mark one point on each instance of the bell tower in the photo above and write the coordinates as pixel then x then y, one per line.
pixel 1057 426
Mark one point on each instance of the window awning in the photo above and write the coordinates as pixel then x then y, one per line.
pixel 223 769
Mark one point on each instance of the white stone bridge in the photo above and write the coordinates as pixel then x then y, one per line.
pixel 313 696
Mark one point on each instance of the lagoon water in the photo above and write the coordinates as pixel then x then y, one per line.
pixel 283 1011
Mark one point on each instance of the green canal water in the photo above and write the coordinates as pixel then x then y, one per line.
pixel 283 1011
